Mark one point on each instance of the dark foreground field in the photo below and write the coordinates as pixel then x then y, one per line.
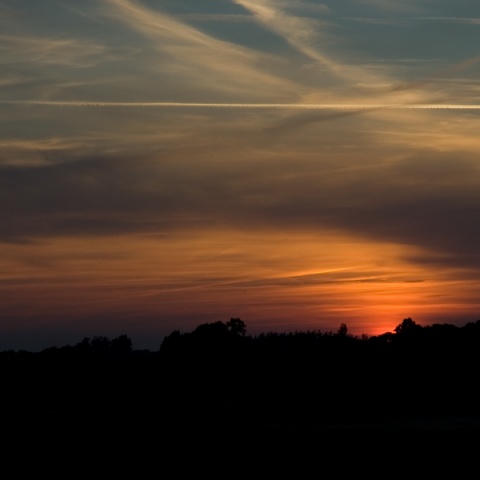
pixel 303 405
pixel 151 443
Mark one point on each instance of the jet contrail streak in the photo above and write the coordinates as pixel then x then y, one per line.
pixel 293 106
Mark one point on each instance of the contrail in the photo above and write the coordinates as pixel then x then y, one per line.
pixel 288 106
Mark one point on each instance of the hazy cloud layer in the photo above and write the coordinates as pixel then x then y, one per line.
pixel 423 198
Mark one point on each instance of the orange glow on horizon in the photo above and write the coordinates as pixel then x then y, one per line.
pixel 321 282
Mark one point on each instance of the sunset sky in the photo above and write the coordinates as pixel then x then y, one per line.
pixel 295 163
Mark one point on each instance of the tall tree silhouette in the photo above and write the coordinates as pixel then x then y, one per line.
pixel 237 326
pixel 408 327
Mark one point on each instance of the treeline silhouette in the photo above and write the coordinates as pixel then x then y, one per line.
pixel 219 362
pixel 279 393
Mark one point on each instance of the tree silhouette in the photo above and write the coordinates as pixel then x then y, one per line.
pixel 210 331
pixel 237 326
pixel 121 345
pixel 408 327
pixel 343 330
pixel 100 344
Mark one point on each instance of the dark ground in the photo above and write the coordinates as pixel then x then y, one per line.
pixel 174 441
pixel 302 406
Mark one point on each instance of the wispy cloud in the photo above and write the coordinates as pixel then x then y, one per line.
pixel 462 20
pixel 393 6
pixel 13 80
pixel 44 51
pixel 300 32
pixel 308 37
pixel 318 42
pixel 191 53
pixel 214 17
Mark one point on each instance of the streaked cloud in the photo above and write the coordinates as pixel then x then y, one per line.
pixel 300 32
pixel 215 17
pixel 312 38
pixel 466 20
pixel 221 65
pixel 392 6
pixel 49 51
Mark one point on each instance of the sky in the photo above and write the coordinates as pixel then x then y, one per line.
pixel 298 164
